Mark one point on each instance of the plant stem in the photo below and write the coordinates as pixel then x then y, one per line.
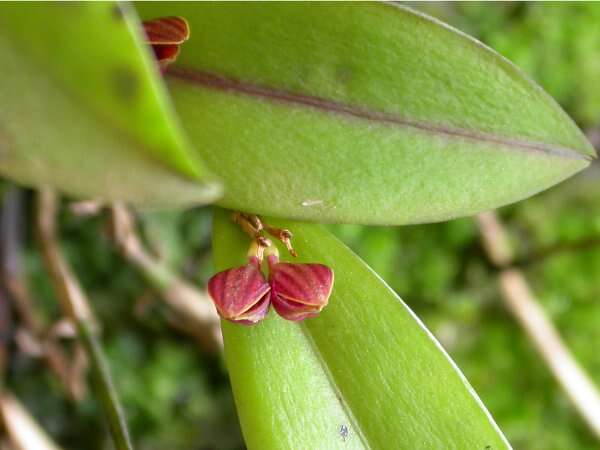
pixel 12 231
pixel 586 243
pixel 105 387
pixel 521 302
pixel 5 330
pixel 76 306
pixel 196 313
pixel 23 431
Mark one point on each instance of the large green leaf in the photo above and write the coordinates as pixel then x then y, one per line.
pixel 361 112
pixel 365 374
pixel 83 108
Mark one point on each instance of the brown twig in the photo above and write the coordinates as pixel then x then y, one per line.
pixel 72 298
pixel 521 302
pixel 86 208
pixel 195 312
pixel 11 271
pixel 5 444
pixel 69 375
pixel 6 207
pixel 23 430
pixel 5 332
pixel 75 306
pixel 562 247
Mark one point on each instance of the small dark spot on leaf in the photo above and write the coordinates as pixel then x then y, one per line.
pixel 117 12
pixel 344 74
pixel 126 84
pixel 488 447
pixel 344 432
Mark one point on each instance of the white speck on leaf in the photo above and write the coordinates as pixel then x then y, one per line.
pixel 312 202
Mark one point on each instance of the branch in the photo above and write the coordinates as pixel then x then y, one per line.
pixel 6 205
pixel 562 247
pixel 21 427
pixel 195 310
pixel 11 271
pixel 521 302
pixel 5 331
pixel 75 305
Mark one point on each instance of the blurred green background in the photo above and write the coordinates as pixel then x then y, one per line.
pixel 177 397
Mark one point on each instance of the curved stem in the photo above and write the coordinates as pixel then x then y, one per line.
pixel 76 306
pixel 521 302
pixel 105 387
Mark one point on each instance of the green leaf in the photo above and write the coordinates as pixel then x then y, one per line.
pixel 365 113
pixel 364 374
pixel 83 108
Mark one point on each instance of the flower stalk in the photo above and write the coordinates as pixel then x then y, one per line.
pixel 297 291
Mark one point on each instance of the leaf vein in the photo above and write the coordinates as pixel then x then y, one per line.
pixel 217 82
pixel 331 379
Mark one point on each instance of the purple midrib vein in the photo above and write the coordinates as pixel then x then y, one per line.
pixel 216 82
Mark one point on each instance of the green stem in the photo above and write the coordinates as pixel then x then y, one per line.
pixel 105 388
pixel 75 305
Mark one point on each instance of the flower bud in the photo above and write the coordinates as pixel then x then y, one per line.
pixel 299 291
pixel 164 35
pixel 241 294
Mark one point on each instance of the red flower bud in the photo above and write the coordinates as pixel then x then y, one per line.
pixel 241 294
pixel 299 291
pixel 165 35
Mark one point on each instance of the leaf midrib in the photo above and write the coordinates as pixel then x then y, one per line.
pixel 209 80
pixel 334 386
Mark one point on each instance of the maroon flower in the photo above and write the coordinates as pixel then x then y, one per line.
pixel 299 291
pixel 165 35
pixel 241 294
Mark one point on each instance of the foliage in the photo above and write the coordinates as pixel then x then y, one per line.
pixel 555 43
pixel 175 398
pixel 455 296
pixel 458 300
pixel 365 343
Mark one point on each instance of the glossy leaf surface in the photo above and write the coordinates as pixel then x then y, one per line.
pixel 83 107
pixel 364 374
pixel 364 112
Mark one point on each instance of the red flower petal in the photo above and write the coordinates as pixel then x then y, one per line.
pixel 255 314
pixel 241 293
pixel 299 291
pixel 293 311
pixel 165 54
pixel 165 35
pixel 167 30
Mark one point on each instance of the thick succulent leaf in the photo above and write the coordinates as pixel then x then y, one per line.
pixel 366 113
pixel 364 374
pixel 83 107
